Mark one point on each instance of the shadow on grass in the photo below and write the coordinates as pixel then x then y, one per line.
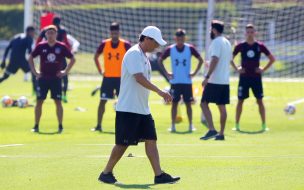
pixel 182 132
pixel 251 132
pixel 134 186
pixel 48 133
pixel 107 132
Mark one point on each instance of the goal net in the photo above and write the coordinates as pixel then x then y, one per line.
pixel 280 25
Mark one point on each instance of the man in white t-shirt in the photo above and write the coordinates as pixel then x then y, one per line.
pixel 134 121
pixel 216 82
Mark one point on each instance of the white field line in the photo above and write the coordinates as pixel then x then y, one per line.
pixel 10 145
pixel 297 102
pixel 200 145
pixel 164 156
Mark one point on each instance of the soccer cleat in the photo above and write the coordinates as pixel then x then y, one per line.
pixel 237 127
pixel 192 128
pixel 95 91
pixel 60 129
pixel 172 129
pixel 264 127
pixel 107 178
pixel 97 128
pixel 35 129
pixel 64 99
pixel 219 137
pixel 165 178
pixel 210 134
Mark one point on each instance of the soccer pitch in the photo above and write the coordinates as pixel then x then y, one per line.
pixel 74 159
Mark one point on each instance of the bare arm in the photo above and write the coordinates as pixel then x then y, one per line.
pixel 162 67
pixel 270 62
pixel 32 66
pixel 67 69
pixel 97 63
pixel 214 61
pixel 199 65
pixel 139 77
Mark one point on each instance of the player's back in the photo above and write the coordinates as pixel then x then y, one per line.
pixel 20 43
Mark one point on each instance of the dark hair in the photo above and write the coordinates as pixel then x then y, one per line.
pixel 180 32
pixel 29 29
pixel 142 38
pixel 114 26
pixel 56 21
pixel 251 26
pixel 218 26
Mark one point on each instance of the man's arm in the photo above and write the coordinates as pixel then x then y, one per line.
pixel 270 62
pixel 96 56
pixel 214 61
pixel 200 61
pixel 32 66
pixel 7 49
pixel 139 77
pixel 161 64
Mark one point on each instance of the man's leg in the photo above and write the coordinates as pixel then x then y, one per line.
pixel 4 77
pixel 223 118
pixel 173 115
pixel 59 112
pixel 239 109
pixel 100 112
pixel 116 154
pixel 38 112
pixel 152 153
pixel 262 112
pixel 189 114
pixel 206 110
pixel 65 81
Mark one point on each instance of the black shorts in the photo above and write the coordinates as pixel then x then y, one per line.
pixel 14 65
pixel 245 83
pixel 131 128
pixel 109 87
pixel 44 85
pixel 216 93
pixel 185 90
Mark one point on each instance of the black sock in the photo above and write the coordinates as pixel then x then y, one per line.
pixel 36 126
pixel 98 126
pixel 60 126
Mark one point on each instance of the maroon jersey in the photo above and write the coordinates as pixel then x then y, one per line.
pixel 51 58
pixel 250 57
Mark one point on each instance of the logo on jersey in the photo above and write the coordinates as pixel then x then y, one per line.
pixel 177 62
pixel 57 50
pixel 116 56
pixel 250 53
pixel 44 50
pixel 51 57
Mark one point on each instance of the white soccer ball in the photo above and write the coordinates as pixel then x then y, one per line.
pixel 7 101
pixel 290 109
pixel 22 102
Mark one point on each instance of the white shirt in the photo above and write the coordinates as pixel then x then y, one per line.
pixel 133 97
pixel 220 47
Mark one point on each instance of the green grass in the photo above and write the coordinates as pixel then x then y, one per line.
pixel 73 160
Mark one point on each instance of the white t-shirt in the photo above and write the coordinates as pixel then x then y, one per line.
pixel 133 97
pixel 221 48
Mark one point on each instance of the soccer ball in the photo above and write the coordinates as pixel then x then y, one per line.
pixel 290 109
pixel 7 101
pixel 22 102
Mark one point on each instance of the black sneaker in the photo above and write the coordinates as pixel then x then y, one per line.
pixel 165 178
pixel 97 128
pixel 107 178
pixel 35 129
pixel 209 135
pixel 60 129
pixel 219 137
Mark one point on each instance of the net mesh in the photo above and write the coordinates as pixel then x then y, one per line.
pixel 280 25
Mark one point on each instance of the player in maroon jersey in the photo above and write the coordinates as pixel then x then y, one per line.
pixel 52 54
pixel 251 72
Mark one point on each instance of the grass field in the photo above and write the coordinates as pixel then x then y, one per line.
pixel 74 159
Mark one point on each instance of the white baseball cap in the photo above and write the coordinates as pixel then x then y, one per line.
pixel 155 33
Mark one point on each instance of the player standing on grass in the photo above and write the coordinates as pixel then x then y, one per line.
pixel 251 73
pixel 52 54
pixel 181 77
pixel 61 37
pixel 113 50
pixel 18 47
pixel 134 121
pixel 216 82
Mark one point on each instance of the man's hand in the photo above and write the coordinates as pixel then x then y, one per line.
pixel 2 65
pixel 37 75
pixel 259 70
pixel 241 70
pixel 166 95
pixel 170 76
pixel 61 74
pixel 191 75
pixel 204 83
